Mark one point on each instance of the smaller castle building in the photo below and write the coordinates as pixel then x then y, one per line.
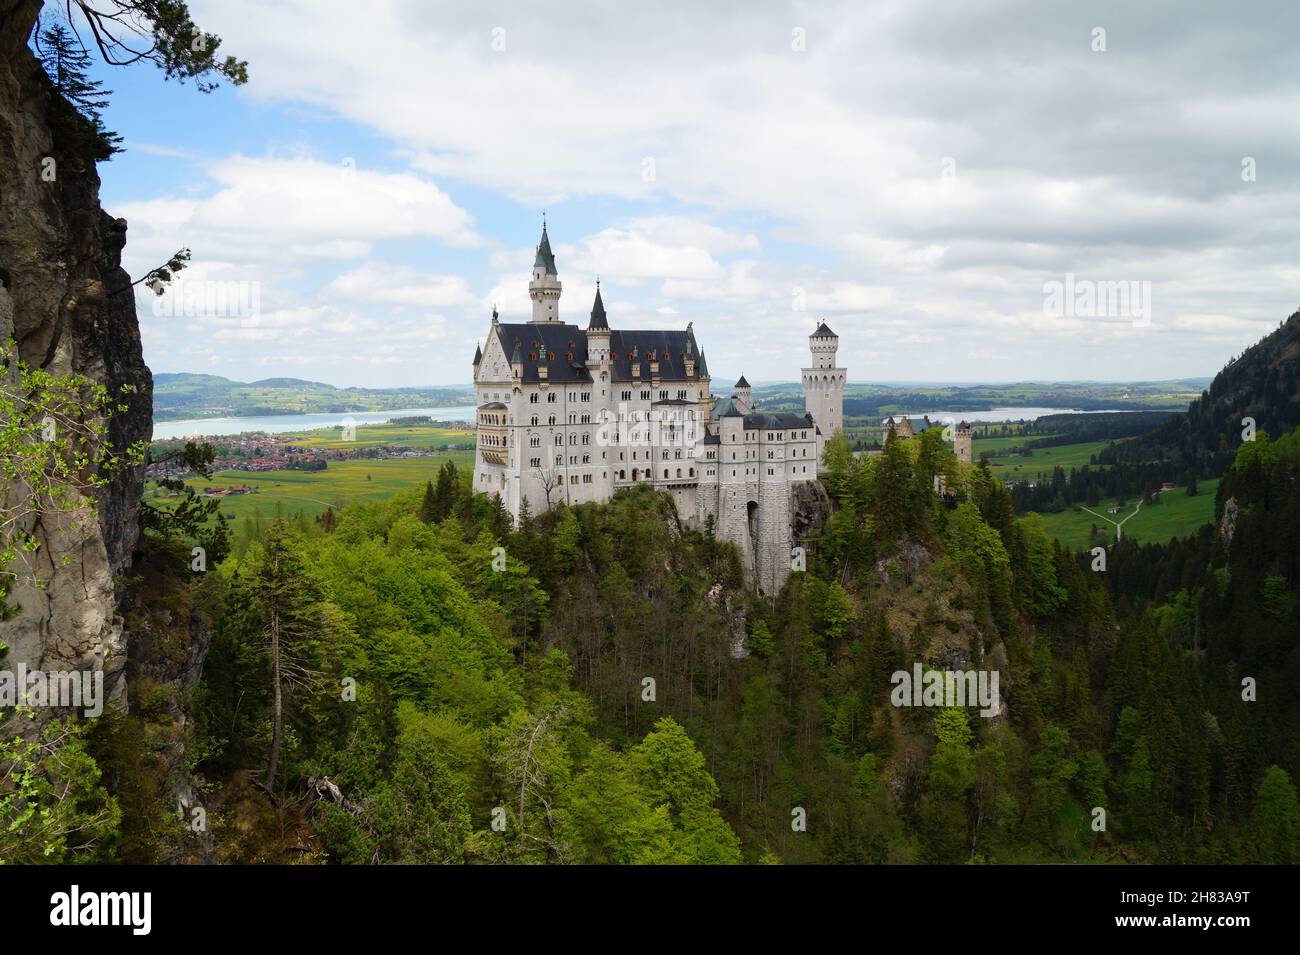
pixel 903 428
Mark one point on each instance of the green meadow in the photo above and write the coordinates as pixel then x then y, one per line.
pixel 1177 515
pixel 1038 464
pixel 404 436
pixel 310 493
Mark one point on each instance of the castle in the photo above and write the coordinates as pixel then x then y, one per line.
pixel 904 428
pixel 572 414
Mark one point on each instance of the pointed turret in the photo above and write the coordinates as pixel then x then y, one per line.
pixel 598 317
pixel 744 395
pixel 478 355
pixel 598 333
pixel 545 257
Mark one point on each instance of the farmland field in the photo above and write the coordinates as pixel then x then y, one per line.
pixel 1177 515
pixel 402 435
pixel 312 492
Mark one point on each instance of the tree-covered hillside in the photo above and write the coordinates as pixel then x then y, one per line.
pixel 414 680
pixel 181 396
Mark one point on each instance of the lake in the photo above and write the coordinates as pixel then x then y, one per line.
pixel 1004 414
pixel 287 423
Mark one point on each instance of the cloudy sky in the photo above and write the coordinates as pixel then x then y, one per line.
pixel 913 173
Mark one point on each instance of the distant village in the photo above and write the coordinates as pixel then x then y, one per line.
pixel 260 452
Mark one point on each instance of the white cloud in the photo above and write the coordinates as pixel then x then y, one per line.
pixel 771 170
pixel 276 210
pixel 395 285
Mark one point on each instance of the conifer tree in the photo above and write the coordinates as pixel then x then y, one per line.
pixel 67 64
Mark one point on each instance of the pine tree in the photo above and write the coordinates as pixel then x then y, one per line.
pixel 445 493
pixel 67 63
pixel 429 505
pixel 287 601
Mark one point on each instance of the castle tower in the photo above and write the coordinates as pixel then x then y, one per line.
pixel 598 333
pixel 544 289
pixel 745 394
pixel 823 386
pixel 961 441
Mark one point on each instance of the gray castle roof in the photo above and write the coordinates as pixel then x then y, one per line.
pixel 823 331
pixel 549 344
pixel 545 257
pixel 742 383
pixel 670 348
pixel 552 343
pixel 598 319
pixel 784 421
pixel 727 408
pixel 918 424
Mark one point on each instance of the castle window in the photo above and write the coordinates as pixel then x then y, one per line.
pixel 532 399
pixel 550 397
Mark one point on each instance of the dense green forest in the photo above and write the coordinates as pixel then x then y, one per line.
pixel 415 680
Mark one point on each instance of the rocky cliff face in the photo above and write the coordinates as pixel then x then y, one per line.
pixel 67 302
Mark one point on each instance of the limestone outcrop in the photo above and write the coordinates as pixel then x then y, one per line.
pixel 68 304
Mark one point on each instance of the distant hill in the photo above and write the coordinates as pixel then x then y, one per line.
pixel 1259 384
pixel 182 395
pixel 876 399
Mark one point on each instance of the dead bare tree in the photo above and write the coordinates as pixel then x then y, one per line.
pixel 549 481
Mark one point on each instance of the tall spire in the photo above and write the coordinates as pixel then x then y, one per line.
pixel 598 318
pixel 545 257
